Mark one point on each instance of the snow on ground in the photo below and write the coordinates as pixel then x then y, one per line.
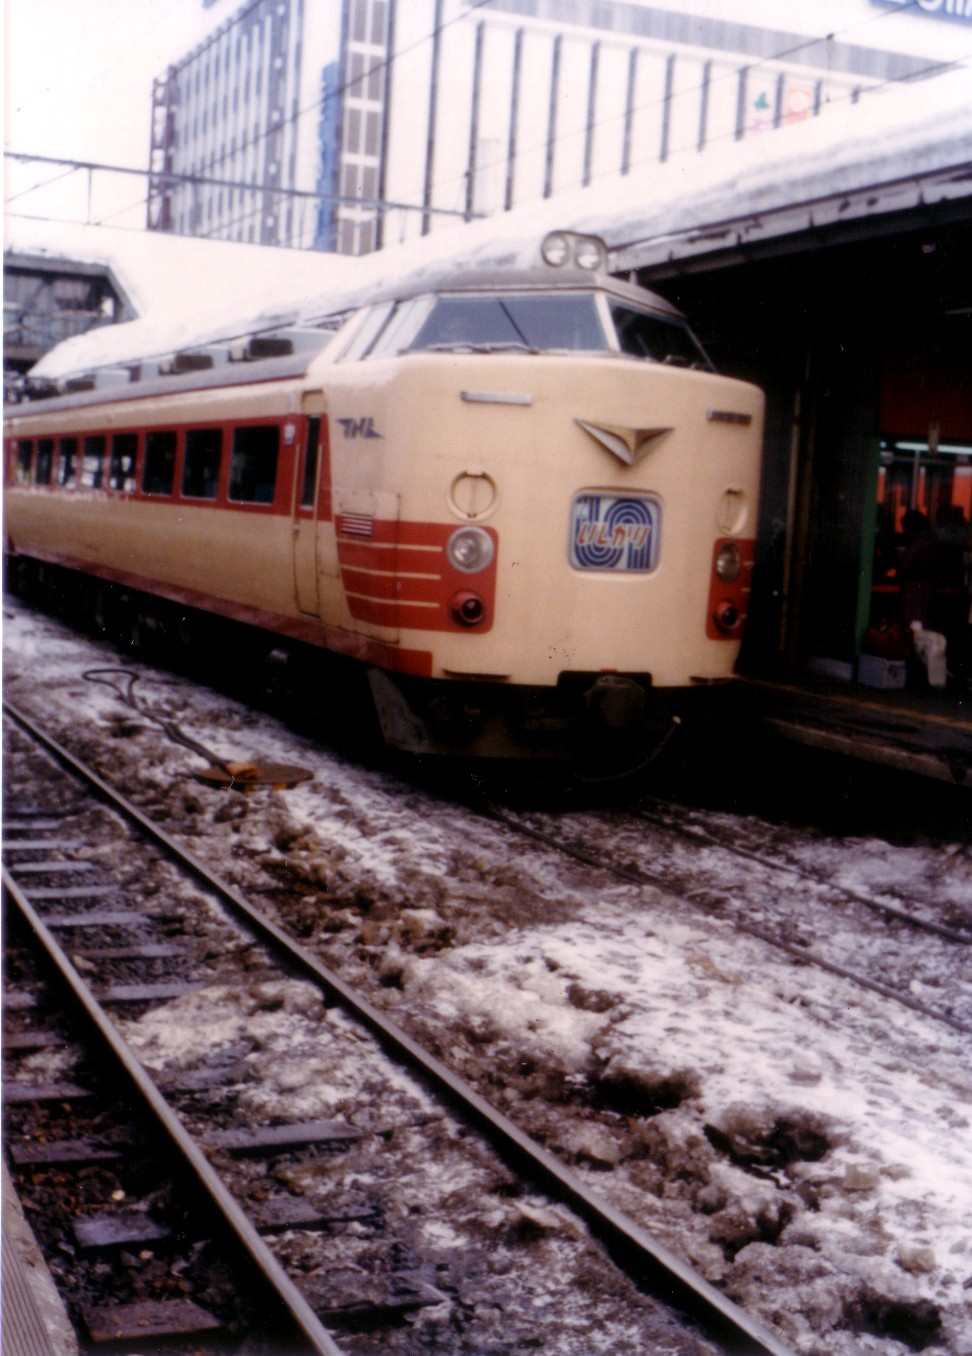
pixel 803 1143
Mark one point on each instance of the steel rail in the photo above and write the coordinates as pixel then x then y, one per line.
pixel 695 834
pixel 304 1317
pixel 674 1282
pixel 804 954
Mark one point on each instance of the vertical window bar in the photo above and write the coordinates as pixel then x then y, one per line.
pixel 741 93
pixel 629 110
pixel 474 124
pixel 552 118
pixel 666 129
pixel 704 105
pixel 591 113
pixel 390 26
pixel 514 118
pixel 433 109
pixel 778 109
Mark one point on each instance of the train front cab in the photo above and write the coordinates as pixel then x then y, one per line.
pixel 605 506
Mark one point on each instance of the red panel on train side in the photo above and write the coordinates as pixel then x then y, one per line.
pixel 736 594
pixel 397 574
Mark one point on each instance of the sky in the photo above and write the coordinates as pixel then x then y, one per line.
pixel 79 79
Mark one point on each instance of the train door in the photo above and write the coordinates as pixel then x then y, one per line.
pixel 315 562
pixel 305 517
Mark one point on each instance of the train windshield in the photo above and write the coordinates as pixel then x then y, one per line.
pixel 645 334
pixel 526 322
pixel 536 323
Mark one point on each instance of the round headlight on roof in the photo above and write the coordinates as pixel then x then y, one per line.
pixel 589 253
pixel 556 249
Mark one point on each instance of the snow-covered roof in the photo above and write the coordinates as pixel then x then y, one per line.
pixel 877 155
pixel 184 290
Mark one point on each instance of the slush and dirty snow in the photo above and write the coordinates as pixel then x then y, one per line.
pixel 804 1143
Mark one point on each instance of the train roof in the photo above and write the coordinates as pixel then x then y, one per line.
pixel 286 352
pixel 902 140
pixel 544 279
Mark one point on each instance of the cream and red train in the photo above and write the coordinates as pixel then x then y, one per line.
pixel 522 502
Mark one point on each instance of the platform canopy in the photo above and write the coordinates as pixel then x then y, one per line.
pixel 902 146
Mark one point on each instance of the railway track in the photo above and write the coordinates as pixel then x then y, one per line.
pixel 769 852
pixel 766 906
pixel 337 1213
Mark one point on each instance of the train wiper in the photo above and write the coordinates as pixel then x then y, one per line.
pixel 464 346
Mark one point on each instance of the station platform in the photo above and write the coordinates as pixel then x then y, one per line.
pixel 33 1321
pixel 927 733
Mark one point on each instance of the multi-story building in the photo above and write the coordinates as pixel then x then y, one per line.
pixel 346 124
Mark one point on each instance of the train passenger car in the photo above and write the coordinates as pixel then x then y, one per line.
pixel 522 503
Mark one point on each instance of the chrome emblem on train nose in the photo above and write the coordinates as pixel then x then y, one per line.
pixel 629 445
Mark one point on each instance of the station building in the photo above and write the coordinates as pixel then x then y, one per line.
pixel 368 122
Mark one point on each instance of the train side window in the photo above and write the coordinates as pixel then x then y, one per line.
pixel 45 461
pixel 253 465
pixel 366 334
pixel 402 327
pixel 121 466
pixel 657 338
pixel 310 463
pixel 93 462
pixel 25 455
pixel 200 471
pixel 158 474
pixel 67 461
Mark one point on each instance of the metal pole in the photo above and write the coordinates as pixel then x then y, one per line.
pixel 433 111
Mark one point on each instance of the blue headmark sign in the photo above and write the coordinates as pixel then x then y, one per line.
pixel 960 10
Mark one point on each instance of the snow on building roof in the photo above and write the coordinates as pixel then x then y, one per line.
pixel 184 290
pixel 905 140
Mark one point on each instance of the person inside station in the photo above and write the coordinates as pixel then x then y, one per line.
pixel 953 536
pixel 917 569
pixel 934 602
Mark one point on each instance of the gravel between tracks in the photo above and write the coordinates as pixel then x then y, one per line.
pixel 805 1145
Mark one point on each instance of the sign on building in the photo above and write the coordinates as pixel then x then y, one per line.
pixel 938 9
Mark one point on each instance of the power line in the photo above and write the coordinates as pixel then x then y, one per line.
pixel 211 181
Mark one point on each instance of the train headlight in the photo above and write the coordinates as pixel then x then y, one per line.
pixel 728 562
pixel 555 249
pixel 470 549
pixel 588 252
